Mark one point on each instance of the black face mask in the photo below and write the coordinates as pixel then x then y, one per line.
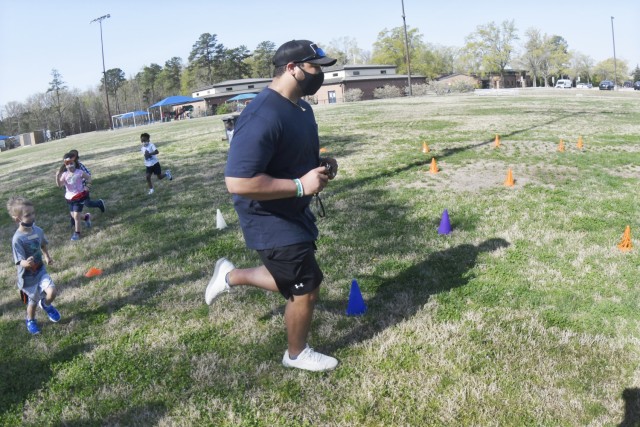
pixel 311 82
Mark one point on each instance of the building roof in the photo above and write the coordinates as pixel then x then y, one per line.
pixel 357 67
pixel 366 78
pixel 233 82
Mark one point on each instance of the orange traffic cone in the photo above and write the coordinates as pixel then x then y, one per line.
pixel 625 244
pixel 93 272
pixel 425 147
pixel 561 146
pixel 580 144
pixel 434 166
pixel 496 143
pixel 509 181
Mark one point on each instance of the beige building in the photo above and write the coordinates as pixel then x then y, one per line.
pixel 219 93
pixel 340 79
pixel 337 81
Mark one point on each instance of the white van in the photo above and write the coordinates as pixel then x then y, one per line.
pixel 564 84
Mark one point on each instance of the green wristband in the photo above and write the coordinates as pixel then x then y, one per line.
pixel 299 188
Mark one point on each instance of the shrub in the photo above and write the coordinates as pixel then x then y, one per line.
pixel 462 86
pixel 353 95
pixel 224 109
pixel 420 89
pixel 387 91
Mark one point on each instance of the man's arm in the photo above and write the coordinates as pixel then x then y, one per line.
pixel 266 187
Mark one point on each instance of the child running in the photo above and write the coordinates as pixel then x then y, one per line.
pixel 77 184
pixel 29 245
pixel 75 156
pixel 150 153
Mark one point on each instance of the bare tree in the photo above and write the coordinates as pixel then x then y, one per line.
pixel 346 50
pixel 14 116
pixel 582 66
pixel 534 54
pixel 492 46
pixel 57 86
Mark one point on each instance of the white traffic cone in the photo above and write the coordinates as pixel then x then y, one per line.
pixel 220 223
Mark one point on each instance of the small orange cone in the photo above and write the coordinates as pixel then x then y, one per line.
pixel 509 181
pixel 561 146
pixel 434 166
pixel 496 143
pixel 323 150
pixel 93 272
pixel 625 244
pixel 425 147
pixel 580 144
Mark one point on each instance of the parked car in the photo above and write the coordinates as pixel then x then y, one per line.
pixel 628 84
pixel 564 83
pixel 584 86
pixel 606 85
pixel 636 85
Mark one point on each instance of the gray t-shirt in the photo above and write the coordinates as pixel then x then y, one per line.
pixel 24 246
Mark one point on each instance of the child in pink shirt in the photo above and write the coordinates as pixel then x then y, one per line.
pixel 76 183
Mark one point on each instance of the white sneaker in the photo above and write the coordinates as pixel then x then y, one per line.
pixel 150 191
pixel 310 360
pixel 218 283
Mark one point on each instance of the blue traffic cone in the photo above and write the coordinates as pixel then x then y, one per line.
pixel 445 224
pixel 356 306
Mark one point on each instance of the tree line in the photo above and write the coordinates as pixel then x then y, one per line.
pixel 493 48
pixel 489 50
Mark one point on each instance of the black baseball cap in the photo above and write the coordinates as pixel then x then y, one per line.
pixel 301 51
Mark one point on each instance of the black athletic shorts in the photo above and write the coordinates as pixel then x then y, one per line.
pixel 155 169
pixel 294 268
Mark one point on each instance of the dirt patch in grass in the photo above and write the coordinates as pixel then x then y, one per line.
pixel 628 171
pixel 483 175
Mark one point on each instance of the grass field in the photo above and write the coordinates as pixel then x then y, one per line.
pixel 526 314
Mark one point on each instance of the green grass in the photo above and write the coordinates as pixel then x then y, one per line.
pixel 526 314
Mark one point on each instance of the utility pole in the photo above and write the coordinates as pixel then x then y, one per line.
pixel 406 47
pixel 615 63
pixel 104 71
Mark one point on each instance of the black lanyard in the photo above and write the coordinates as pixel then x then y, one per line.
pixel 318 207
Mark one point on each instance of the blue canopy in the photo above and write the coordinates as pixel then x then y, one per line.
pixel 3 137
pixel 242 96
pixel 175 100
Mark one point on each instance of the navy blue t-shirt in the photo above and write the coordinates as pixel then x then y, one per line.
pixel 278 138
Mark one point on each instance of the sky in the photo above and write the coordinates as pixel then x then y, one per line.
pixel 37 36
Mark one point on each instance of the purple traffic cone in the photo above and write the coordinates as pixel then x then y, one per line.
pixel 445 224
pixel 356 306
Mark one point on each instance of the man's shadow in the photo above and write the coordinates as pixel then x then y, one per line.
pixel 399 298
pixel 631 398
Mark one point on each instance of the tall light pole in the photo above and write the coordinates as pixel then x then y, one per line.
pixel 104 71
pixel 615 65
pixel 406 47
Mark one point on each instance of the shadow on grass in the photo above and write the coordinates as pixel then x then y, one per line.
pixel 399 298
pixel 22 372
pixel 631 398
pixel 387 173
pixel 451 151
pixel 148 414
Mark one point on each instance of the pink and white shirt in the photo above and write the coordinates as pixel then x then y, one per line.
pixel 73 183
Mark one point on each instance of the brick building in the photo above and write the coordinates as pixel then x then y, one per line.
pixel 337 80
